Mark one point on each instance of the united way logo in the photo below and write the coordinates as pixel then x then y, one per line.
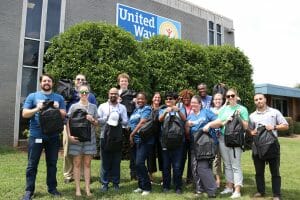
pixel 144 24
pixel 169 29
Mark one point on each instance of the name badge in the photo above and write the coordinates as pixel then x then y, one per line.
pixel 38 140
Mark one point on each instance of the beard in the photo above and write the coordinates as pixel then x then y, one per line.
pixel 113 99
pixel 46 87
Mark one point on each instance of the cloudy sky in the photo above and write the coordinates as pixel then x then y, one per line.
pixel 268 32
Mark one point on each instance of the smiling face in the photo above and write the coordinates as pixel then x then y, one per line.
pixel 156 100
pixel 46 83
pixel 83 92
pixel 123 82
pixel 196 104
pixel 231 97
pixel 141 100
pixel 79 80
pixel 202 90
pixel 113 95
pixel 218 100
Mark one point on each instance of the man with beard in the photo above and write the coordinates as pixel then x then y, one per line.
pixel 38 140
pixel 111 160
pixel 205 98
pixel 273 120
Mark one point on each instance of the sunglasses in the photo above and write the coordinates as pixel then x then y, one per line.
pixel 80 79
pixel 83 92
pixel 169 99
pixel 231 95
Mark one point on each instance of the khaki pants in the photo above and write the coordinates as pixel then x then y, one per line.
pixel 68 160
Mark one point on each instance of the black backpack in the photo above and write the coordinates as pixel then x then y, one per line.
pixel 113 138
pixel 219 88
pixel 234 132
pixel 204 145
pixel 266 143
pixel 150 127
pixel 127 96
pixel 172 132
pixel 234 135
pixel 50 119
pixel 65 88
pixel 80 127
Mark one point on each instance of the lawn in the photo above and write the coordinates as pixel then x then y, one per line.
pixel 13 164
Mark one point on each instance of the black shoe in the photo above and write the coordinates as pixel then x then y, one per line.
pixel 178 191
pixel 116 187
pixel 55 193
pixel 104 188
pixel 212 196
pixel 28 195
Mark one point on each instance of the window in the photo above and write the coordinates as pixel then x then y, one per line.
pixel 219 34
pixel 43 21
pixel 211 33
pixel 281 105
pixel 53 18
pixel 33 19
pixel 214 33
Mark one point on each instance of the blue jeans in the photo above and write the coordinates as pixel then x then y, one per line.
pixel 142 151
pixel 51 146
pixel 172 158
pixel 110 165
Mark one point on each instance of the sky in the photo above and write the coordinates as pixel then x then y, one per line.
pixel 268 33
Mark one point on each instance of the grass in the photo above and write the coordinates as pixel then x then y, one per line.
pixel 13 165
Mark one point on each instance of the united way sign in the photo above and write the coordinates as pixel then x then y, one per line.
pixel 144 24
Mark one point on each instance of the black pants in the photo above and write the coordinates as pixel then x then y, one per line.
pixel 260 174
pixel 186 155
pixel 156 152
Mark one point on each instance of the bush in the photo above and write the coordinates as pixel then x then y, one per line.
pixel 296 127
pixel 291 127
pixel 100 51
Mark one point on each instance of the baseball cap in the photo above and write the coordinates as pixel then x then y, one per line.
pixel 113 119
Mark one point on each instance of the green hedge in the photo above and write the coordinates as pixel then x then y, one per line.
pixel 101 51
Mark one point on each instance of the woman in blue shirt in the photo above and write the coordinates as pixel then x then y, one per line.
pixel 201 169
pixel 141 148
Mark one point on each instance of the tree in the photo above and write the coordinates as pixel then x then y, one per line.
pixel 100 51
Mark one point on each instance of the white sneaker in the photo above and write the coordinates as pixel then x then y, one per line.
pixel 227 191
pixel 145 193
pixel 138 190
pixel 235 195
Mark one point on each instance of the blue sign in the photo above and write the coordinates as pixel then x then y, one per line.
pixel 144 24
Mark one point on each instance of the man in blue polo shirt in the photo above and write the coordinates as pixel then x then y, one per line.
pixel 38 140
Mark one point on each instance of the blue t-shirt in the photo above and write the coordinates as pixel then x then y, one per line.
pixel 31 102
pixel 138 114
pixel 200 120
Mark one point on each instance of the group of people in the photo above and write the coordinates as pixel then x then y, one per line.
pixel 130 111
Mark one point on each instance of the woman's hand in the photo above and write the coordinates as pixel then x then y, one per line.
pixel 131 139
pixel 189 123
pixel 73 139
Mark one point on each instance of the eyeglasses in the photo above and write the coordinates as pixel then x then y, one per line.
pixel 231 95
pixel 84 92
pixel 169 99
pixel 80 79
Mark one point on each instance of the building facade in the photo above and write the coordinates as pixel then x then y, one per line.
pixel 285 99
pixel 27 27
